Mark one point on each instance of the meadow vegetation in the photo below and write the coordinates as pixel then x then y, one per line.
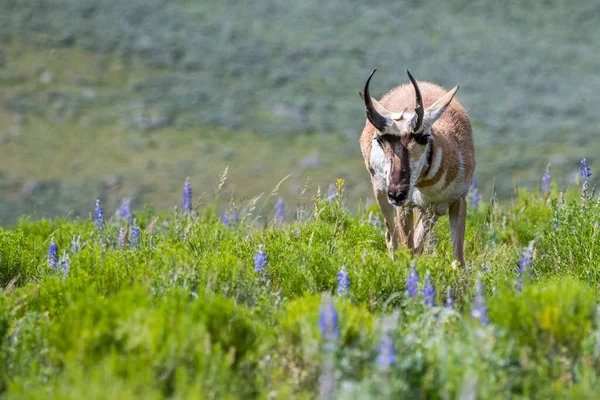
pixel 302 302
pixel 290 294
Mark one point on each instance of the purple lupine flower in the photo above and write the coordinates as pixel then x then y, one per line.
pixel 475 193
pixel 125 210
pixel 186 197
pixel 225 220
pixel 386 352
pixel 280 209
pixel 65 264
pixel 343 282
pixel 75 244
pixel 332 193
pixel 412 282
pixel 135 234
pixel 585 171
pixel 260 259
pixel 524 264
pixel 99 216
pixel 449 299
pixel 329 322
pixel 122 238
pixel 330 331
pixel 429 291
pixel 475 198
pixel 52 255
pixel 546 179
pixel 479 310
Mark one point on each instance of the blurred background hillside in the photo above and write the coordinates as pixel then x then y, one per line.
pixel 110 99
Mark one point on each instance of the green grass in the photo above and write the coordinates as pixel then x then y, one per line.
pixel 185 315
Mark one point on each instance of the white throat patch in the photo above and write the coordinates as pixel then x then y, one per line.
pixel 416 172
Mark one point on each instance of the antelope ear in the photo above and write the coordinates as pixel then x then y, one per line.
pixel 378 106
pixel 434 111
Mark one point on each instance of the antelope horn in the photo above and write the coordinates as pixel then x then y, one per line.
pixel 419 108
pixel 379 121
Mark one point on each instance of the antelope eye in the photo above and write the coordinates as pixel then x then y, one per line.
pixel 422 139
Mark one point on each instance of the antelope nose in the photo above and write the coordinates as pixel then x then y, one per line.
pixel 398 198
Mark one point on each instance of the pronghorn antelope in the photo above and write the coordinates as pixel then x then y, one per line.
pixel 418 147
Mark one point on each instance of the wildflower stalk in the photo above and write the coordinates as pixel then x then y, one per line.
pixel 343 279
pixel 260 260
pixel 386 352
pixel 52 255
pixel 225 220
pixel 280 210
pixel 125 210
pixel 64 263
pixel 412 282
pixel 186 197
pixel 524 264
pixel 99 216
pixel 135 234
pixel 429 291
pixel 330 332
pixel 479 310
pixel 75 244
pixel 122 239
pixel 585 173
pixel 546 180
pixel 331 193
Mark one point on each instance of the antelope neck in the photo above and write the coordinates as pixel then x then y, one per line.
pixel 429 157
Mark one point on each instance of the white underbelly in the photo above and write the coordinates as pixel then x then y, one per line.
pixel 438 198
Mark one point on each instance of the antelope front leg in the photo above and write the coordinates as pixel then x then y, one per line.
pixel 425 223
pixel 406 225
pixel 458 215
pixel 391 233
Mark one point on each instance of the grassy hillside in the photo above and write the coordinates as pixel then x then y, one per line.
pixel 277 67
pixel 86 137
pixel 94 93
pixel 195 308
